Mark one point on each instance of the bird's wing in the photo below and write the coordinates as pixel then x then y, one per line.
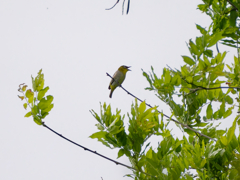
pixel 112 80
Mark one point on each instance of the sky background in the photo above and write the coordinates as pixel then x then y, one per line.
pixel 75 43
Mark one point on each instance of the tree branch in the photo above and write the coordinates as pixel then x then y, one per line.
pixel 95 152
pixel 201 87
pixel 232 4
pixel 122 6
pixel 113 5
pixel 184 125
pixel 205 88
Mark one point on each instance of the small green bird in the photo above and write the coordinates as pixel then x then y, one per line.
pixel 118 77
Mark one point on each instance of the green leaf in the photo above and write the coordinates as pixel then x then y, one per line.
pixel 28 114
pixel 148 79
pixel 120 153
pixel 98 135
pixel 48 109
pixel 208 53
pixel 30 95
pixel 203 7
pixel 216 115
pixel 231 130
pixel 230 30
pixel 202 30
pixel 42 93
pixel 193 48
pixel 203 162
pixel 45 103
pixel 115 129
pixel 24 88
pixel 222 109
pixel 190 132
pixel 233 17
pixel 228 112
pixel 35 110
pixel 202 65
pixel 223 140
pixel 167 76
pixel 233 173
pixel 213 153
pixel 177 108
pixel 33 84
pixel 142 107
pixel 25 105
pixel 95 115
pixel 38 81
pixel 215 38
pixel 188 60
pixel 44 114
pixel 176 80
pixel 228 99
pixel 209 111
pixel 100 126
pixel 37 120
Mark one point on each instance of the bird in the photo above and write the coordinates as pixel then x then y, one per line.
pixel 118 78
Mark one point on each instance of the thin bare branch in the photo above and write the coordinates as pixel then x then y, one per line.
pixel 123 7
pixel 95 152
pixel 113 5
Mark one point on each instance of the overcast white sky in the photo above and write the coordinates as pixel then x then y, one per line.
pixel 75 43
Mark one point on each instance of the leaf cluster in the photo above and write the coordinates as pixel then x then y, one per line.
pixel 225 19
pixel 39 105
pixel 204 89
pixel 173 158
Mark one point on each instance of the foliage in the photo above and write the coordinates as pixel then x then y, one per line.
pixel 35 99
pixel 203 90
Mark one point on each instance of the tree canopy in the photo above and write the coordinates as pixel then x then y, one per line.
pixel 208 89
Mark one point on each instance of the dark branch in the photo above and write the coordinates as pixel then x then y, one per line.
pixel 217 47
pixel 123 6
pixel 201 87
pixel 184 125
pixel 232 4
pixel 128 6
pixel 94 152
pixel 113 5
pixel 205 88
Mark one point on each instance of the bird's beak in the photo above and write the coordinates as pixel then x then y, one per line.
pixel 129 67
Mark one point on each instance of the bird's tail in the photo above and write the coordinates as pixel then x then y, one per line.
pixel 110 95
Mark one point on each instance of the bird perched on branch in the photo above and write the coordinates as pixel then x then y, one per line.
pixel 118 78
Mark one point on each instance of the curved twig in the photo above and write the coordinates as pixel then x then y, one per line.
pixel 113 5
pixel 94 152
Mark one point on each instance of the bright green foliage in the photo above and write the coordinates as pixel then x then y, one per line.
pixel 39 104
pixel 173 158
pixel 225 18
pixel 204 89
pixel 111 128
pixel 143 123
